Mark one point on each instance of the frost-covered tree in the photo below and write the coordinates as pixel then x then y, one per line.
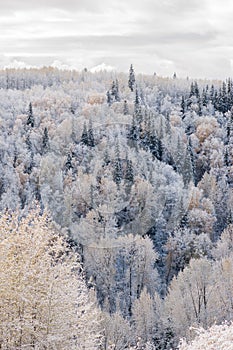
pixel 44 301
pixel 31 119
pixel 215 338
pixel 188 302
pixel 148 321
pixel 131 80
pixel 117 331
pixel 45 141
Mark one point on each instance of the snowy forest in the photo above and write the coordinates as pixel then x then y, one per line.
pixel 116 200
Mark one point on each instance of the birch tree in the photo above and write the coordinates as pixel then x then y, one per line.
pixel 44 301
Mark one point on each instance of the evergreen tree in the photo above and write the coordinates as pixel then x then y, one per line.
pixel 136 101
pixel 196 90
pixel 84 137
pixel 187 170
pixel 90 134
pixel 131 80
pixel 129 175
pixel 45 141
pixel 125 108
pixel 155 145
pixel 167 125
pixel 226 157
pixel 192 158
pixel 182 106
pixel 199 102
pixel 192 90
pixel 68 163
pixel 225 97
pixel 179 156
pixel 229 128
pixel 106 158
pixel 229 93
pixel 212 94
pixel 133 131
pixel 115 91
pixel 30 120
pixel 109 98
pixel 204 97
pixel 28 142
pixel 117 167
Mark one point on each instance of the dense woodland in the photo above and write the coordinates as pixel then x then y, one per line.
pixel 136 175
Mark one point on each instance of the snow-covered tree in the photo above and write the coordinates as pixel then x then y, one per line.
pixel 188 302
pixel 215 338
pixel 44 301
pixel 131 80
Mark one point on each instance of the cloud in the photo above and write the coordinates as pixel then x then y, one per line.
pixel 17 65
pixel 68 5
pixel 63 66
pixel 102 67
pixel 194 35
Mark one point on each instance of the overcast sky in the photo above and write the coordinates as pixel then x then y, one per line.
pixel 190 37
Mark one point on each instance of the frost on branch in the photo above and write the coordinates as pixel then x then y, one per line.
pixel 44 301
pixel 215 338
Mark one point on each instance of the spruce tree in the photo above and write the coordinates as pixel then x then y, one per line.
pixel 68 163
pixel 196 90
pixel 90 134
pixel 125 108
pixel 187 170
pixel 109 98
pixel 45 141
pixel 133 131
pixel 129 176
pixel 205 97
pixel 136 101
pixel 117 171
pixel 30 120
pixel 212 94
pixel 131 80
pixel 117 94
pixel 179 156
pixel 84 137
pixel 106 159
pixel 115 91
pixel 182 106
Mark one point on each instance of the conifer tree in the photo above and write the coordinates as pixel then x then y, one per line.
pixel 114 93
pixel 129 175
pixel 136 102
pixel 117 171
pixel 45 141
pixel 30 120
pixel 125 108
pixel 187 170
pixel 84 137
pixel 133 134
pixel 90 134
pixel 109 98
pixel 131 81
pixel 106 157
pixel 68 163
pixel 183 106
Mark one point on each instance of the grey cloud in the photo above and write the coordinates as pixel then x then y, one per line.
pixel 68 5
pixel 167 34
pixel 114 42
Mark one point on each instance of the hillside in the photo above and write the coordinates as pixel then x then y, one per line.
pixel 136 173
